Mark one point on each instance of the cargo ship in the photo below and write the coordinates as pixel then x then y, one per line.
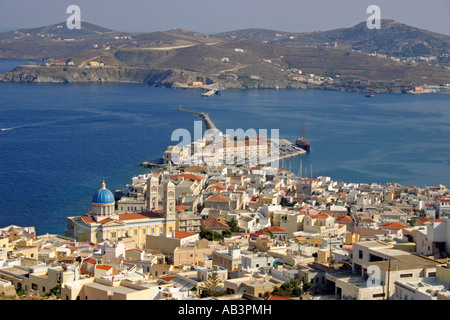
pixel 302 141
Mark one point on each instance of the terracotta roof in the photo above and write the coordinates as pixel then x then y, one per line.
pixel 183 234
pixel 258 233
pixel 274 297
pixel 344 219
pixel 103 267
pixel 214 223
pixel 140 215
pixel 218 198
pixel 423 220
pixel 393 225
pixel 182 207
pixel 90 260
pixel 187 176
pixel 167 278
pixel 276 229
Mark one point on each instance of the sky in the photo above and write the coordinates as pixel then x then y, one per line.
pixel 213 16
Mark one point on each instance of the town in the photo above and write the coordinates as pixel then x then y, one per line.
pixel 237 232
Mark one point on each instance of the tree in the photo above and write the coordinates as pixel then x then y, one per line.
pixel 207 234
pixel 291 288
pixel 211 235
pixel 226 233
pixel 307 286
pixel 212 287
pixel 55 291
pixel 234 225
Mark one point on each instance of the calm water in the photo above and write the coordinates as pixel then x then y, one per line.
pixel 65 138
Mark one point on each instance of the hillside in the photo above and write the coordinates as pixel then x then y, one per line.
pixel 57 41
pixel 393 39
pixel 178 57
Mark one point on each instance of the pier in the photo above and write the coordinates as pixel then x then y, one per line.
pixel 204 116
pixel 284 148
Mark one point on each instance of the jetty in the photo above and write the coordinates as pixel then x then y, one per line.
pixel 204 116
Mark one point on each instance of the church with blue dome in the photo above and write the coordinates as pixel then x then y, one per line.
pixel 103 203
pixel 103 222
pixel 103 195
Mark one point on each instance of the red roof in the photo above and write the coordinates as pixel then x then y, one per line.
pixel 258 233
pixel 344 219
pixel 90 260
pixel 215 223
pixel 187 176
pixel 140 215
pixel 276 229
pixel 183 234
pixel 274 297
pixel 182 207
pixel 88 218
pixel 218 198
pixel 393 225
pixel 103 267
pixel 217 187
pixel 167 278
pixel 423 220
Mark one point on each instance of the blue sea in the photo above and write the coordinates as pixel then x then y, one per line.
pixel 63 139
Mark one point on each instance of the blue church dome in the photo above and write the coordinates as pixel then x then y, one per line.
pixel 103 195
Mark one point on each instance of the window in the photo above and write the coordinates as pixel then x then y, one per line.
pixel 361 254
pixel 432 274
pixel 406 275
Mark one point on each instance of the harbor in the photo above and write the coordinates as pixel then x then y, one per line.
pixel 255 150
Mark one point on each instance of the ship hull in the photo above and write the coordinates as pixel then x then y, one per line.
pixel 302 143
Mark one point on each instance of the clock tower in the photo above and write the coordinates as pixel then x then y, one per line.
pixel 152 193
pixel 169 201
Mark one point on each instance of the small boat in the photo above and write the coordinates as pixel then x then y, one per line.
pixel 370 95
pixel 209 93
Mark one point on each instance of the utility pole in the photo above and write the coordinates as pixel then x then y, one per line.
pixel 389 273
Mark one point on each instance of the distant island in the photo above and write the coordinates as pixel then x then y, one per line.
pixel 394 59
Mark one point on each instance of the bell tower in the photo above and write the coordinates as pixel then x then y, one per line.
pixel 152 193
pixel 169 201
